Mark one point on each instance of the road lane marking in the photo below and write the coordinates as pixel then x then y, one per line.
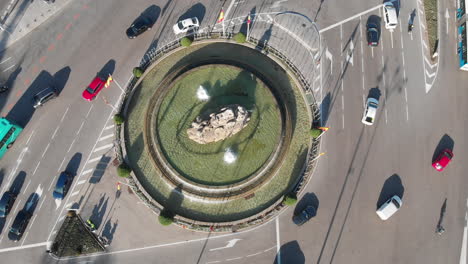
pixel 25 236
pixel 350 18
pixel 216 261
pixel 55 132
pixel 75 193
pixel 68 206
pixel 89 111
pixel 9 68
pixel 465 237
pixel 118 85
pixel 71 145
pixel 278 242
pixel 5 60
pixel 47 147
pixel 230 244
pixel 79 130
pixel 229 8
pixel 108 127
pixel 42 203
pixel 16 208
pixel 233 259
pixel 106 137
pixel 27 185
pixel 61 164
pixel 86 171
pixel 95 159
pixel 23 247
pixel 64 114
pixel 103 147
pixel 81 182
pixel 255 254
pixel 30 136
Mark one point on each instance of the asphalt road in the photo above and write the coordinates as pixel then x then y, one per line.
pixel 361 168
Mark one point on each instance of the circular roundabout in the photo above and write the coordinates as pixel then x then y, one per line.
pixel 216 132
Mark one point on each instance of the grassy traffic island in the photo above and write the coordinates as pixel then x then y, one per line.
pixel 271 150
pixel 74 238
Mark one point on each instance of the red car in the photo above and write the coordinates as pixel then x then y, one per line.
pixel 94 88
pixel 443 160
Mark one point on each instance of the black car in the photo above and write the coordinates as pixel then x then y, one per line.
pixel 304 215
pixel 139 26
pixel 6 203
pixel 19 224
pixel 373 34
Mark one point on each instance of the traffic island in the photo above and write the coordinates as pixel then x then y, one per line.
pixel 195 182
pixel 74 238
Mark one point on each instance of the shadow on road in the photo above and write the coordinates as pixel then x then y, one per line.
pixel 109 230
pixel 99 211
pixel 391 187
pixel 152 13
pixel 17 184
pixel 325 109
pixel 100 169
pixel 198 10
pixel 74 164
pixel 107 69
pixel 291 252
pixel 446 142
pixel 60 79
pixel 307 199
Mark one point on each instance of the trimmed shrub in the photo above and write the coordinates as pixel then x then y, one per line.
pixel 315 132
pixel 118 119
pixel 185 41
pixel 290 199
pixel 137 72
pixel 239 37
pixel 166 218
pixel 123 170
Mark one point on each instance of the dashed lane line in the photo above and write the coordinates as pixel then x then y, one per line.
pixel 108 127
pixel 106 137
pixel 350 18
pixel 75 193
pixel 5 60
pixel 81 182
pixel 95 159
pixel 86 171
pixel 9 68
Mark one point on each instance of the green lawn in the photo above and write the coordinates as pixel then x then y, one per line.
pixel 203 163
pixel 430 9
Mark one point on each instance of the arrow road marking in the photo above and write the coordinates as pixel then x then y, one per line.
pixel 230 244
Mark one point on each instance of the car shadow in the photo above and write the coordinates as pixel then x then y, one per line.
pixel 107 69
pixel 74 164
pixel 392 186
pixel 60 79
pixel 307 199
pixel 17 184
pixel 446 142
pixel 198 10
pixel 291 252
pixel 152 13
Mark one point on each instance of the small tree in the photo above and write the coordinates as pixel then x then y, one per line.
pixel 239 37
pixel 315 132
pixel 118 119
pixel 166 218
pixel 137 72
pixel 185 41
pixel 123 170
pixel 290 199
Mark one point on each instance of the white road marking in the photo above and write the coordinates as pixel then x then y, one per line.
pixel 103 147
pixel 118 85
pixel 230 244
pixel 5 60
pixel 81 182
pixel 216 261
pixel 229 8
pixel 61 164
pixel 255 254
pixel 108 127
pixel 52 182
pixel 39 208
pixel 391 38
pixel 14 211
pixel 465 238
pixel 23 247
pixel 233 259
pixel 58 202
pixel 95 159
pixel 383 79
pixel 24 238
pixel 350 18
pixel 89 111
pixel 106 137
pixel 27 185
pixel 87 171
pixel 45 150
pixel 64 114
pixel 30 136
pixel 75 193
pixel 278 242
pixel 79 130
pixel 9 68
pixel 68 206
pixel 71 145
pixel 55 132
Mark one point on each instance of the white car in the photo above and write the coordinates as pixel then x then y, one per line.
pixel 370 111
pixel 186 25
pixel 390 16
pixel 389 207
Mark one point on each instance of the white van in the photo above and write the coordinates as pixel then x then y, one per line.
pixel 389 207
pixel 390 16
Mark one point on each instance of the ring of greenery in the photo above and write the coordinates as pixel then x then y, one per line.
pixel 152 171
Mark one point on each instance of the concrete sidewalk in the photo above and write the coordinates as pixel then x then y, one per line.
pixel 22 16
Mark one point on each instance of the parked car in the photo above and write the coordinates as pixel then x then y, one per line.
pixel 373 34
pixel 63 185
pixel 390 16
pixel 6 203
pixel 370 111
pixel 305 215
pixel 44 96
pixel 390 207
pixel 94 88
pixel 443 160
pixel 186 25
pixel 19 224
pixel 139 26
